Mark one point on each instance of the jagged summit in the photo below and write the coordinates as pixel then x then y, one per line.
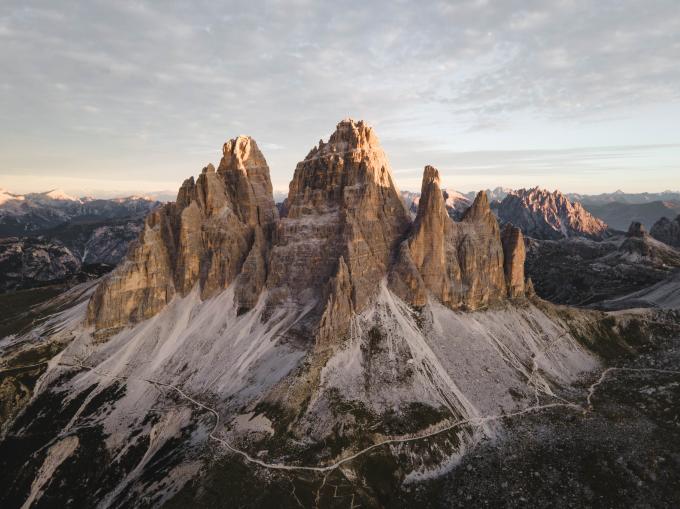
pixel 479 209
pixel 246 175
pixel 432 202
pixel 462 263
pixel 345 226
pixel 205 238
pixel 549 215
pixel 348 135
pixel 338 173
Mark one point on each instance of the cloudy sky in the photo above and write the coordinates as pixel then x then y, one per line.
pixel 115 97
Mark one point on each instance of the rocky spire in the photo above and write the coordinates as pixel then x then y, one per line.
pixel 426 248
pixel 460 264
pixel 246 175
pixel 514 254
pixel 480 209
pixel 432 205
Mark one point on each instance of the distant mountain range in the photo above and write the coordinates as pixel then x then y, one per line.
pixel 621 197
pixel 456 203
pixel 620 215
pixel 51 237
pixel 34 213
pixel 617 210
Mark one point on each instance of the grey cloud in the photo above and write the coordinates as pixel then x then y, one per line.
pixel 579 160
pixel 149 78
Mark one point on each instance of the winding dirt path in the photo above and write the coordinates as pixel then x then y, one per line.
pixel 477 422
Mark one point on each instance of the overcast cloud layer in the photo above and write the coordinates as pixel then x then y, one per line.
pixel 119 96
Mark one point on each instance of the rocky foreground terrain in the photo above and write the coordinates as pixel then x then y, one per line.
pixel 585 272
pixel 623 452
pixel 333 352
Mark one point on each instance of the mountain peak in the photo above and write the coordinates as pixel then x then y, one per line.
pixel 480 207
pixel 59 194
pixel 218 225
pixel 431 205
pixel 349 135
pixel 461 263
pixel 549 215
pixel 245 173
pixel 430 176
pixel 240 154
pixel 342 201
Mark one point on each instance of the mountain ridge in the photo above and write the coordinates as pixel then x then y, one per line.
pixel 335 341
pixel 548 215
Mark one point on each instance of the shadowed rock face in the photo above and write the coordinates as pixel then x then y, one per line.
pixel 345 230
pixel 641 246
pixel 636 230
pixel 667 231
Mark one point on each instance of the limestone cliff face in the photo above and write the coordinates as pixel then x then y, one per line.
pixel 142 285
pixel 217 224
pixel 345 229
pixel 514 257
pixel 462 264
pixel 344 218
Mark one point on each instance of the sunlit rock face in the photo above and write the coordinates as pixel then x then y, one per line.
pixel 345 230
pixel 203 238
pixel 515 256
pixel 542 214
pixel 344 218
pixel 462 264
